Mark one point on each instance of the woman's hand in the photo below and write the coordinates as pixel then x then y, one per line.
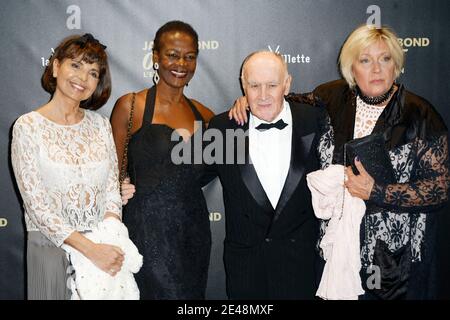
pixel 106 257
pixel 239 111
pixel 359 185
pixel 127 191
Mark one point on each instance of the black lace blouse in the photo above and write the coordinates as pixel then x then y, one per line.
pixel 416 139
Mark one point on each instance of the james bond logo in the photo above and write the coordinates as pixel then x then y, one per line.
pixel 407 43
pixel 290 58
pixel 202 45
pixel 215 216
pixel 147 60
pixel 208 45
pixel 3 222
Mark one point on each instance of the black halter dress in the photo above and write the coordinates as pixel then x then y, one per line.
pixel 167 218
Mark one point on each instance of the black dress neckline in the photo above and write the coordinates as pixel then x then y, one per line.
pixel 150 110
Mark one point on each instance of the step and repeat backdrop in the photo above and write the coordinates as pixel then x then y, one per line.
pixel 308 33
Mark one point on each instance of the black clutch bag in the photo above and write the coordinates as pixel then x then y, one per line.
pixel 373 155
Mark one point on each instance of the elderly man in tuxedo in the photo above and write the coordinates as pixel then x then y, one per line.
pixel 271 230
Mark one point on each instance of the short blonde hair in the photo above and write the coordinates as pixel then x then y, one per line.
pixel 361 38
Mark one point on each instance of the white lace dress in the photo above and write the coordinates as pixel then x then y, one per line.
pixel 67 176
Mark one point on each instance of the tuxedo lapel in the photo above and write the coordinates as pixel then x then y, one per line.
pixel 251 180
pixel 301 147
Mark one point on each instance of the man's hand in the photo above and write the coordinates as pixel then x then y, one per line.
pixel 127 191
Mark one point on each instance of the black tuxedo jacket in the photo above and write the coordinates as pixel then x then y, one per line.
pixel 270 253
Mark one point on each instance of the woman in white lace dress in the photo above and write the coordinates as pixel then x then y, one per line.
pixel 65 164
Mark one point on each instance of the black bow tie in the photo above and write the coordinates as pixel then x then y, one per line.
pixel 280 124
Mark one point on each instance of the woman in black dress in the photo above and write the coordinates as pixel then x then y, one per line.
pixel 167 218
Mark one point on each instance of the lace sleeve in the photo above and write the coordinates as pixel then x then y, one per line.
pixel 307 98
pixel 428 186
pixel 113 199
pixel 41 207
pixel 326 143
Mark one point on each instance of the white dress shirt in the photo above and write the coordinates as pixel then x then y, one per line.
pixel 270 153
